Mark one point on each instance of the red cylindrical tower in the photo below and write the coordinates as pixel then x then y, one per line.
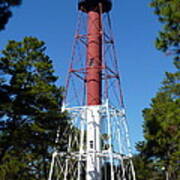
pixel 94 58
pixel 94 9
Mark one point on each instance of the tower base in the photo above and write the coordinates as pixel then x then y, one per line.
pixel 72 166
pixel 113 158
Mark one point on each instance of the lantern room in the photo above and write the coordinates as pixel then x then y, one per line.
pixel 88 5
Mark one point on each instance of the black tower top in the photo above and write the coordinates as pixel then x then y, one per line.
pixel 87 5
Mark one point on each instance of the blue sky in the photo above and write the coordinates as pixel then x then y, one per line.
pixel 135 28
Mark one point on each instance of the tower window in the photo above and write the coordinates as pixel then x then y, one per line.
pixel 91 144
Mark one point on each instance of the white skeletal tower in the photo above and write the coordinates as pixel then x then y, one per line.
pixel 98 146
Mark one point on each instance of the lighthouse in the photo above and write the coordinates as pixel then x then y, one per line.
pixel 98 145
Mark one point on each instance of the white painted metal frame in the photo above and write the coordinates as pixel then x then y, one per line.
pixel 92 122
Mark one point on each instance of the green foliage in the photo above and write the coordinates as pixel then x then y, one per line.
pixel 161 133
pixel 168 12
pixel 160 150
pixel 146 169
pixel 161 129
pixel 5 11
pixel 30 111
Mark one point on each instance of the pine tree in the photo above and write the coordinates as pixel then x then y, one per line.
pixel 5 11
pixel 162 119
pixel 168 12
pixel 30 111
